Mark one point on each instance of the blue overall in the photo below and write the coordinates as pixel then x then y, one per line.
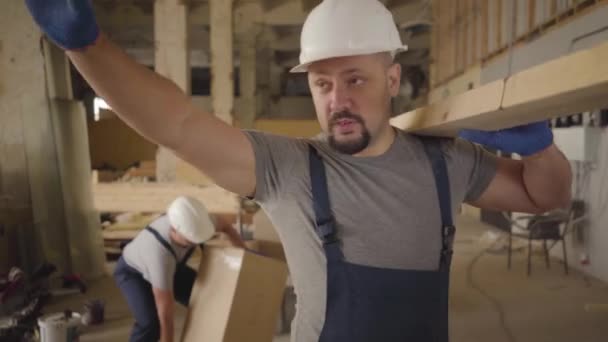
pixel 369 304
pixel 140 297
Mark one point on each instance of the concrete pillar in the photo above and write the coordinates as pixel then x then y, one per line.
pixel 221 43
pixel 38 146
pixel 172 61
pixel 247 72
pixel 81 230
pixel 265 58
pixel 247 32
pixel 276 77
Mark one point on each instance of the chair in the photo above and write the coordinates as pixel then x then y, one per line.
pixel 551 226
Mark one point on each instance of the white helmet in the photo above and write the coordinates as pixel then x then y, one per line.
pixel 190 218
pixel 338 28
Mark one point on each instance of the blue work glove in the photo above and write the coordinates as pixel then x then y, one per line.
pixel 69 23
pixel 524 140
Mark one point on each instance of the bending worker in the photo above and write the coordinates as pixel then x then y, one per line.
pixel 152 270
pixel 364 212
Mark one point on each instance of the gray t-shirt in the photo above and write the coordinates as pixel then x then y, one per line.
pixel 386 208
pixel 148 256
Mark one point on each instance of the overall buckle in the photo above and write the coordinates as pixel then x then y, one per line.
pixel 327 231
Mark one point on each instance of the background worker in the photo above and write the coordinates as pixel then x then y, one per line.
pixel 152 271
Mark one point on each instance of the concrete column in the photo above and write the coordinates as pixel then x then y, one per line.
pixel 81 230
pixel 276 76
pixel 172 61
pixel 247 32
pixel 39 145
pixel 265 59
pixel 221 42
pixel 247 72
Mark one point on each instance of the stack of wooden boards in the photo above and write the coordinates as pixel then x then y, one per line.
pixel 144 171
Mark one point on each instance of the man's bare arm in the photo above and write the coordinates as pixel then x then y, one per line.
pixel 165 310
pixel 536 184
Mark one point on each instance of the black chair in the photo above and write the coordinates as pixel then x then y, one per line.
pixel 552 226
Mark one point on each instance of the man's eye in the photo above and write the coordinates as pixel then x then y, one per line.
pixel 322 84
pixel 356 81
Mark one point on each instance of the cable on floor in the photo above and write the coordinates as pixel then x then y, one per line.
pixel 495 302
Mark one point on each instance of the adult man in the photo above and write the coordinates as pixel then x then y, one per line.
pixel 152 270
pixel 367 241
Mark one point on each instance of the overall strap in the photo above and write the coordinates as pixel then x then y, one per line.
pixel 432 148
pixel 324 221
pixel 188 255
pixel 161 240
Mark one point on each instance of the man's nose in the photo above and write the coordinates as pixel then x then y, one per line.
pixel 339 99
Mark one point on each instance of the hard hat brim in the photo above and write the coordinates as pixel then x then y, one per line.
pixel 303 67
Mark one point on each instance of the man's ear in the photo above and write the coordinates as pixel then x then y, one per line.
pixel 394 79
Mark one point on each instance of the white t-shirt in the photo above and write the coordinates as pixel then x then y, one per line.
pixel 148 256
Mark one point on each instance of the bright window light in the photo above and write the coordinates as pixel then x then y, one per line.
pixel 98 105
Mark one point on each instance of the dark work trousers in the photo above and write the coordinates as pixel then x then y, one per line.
pixel 140 299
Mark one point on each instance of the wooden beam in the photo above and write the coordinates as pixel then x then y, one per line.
pixel 458 41
pixel 464 33
pixel 171 59
pixel 553 8
pixel 474 12
pixel 498 23
pixel 531 14
pixel 435 41
pixel 453 31
pixel 155 197
pixel 571 84
pixel 222 66
pixel 484 28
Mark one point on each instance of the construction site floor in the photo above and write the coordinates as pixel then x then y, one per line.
pixel 488 302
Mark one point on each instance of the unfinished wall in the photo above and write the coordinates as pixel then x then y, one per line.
pixel 34 170
pixel 469 32
pixel 28 165
pixel 579 33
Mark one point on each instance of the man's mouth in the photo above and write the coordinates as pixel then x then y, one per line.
pixel 344 123
pixel 345 126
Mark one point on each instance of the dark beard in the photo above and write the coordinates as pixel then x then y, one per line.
pixel 348 147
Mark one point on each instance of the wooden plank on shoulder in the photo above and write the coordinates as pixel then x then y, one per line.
pixel 571 84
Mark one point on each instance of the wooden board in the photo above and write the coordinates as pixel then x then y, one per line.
pixel 571 84
pixel 155 197
pixel 236 297
pixel 445 117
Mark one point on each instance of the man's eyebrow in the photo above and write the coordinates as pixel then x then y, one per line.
pixel 350 71
pixel 324 72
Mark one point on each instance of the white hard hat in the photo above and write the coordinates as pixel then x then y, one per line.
pixel 339 28
pixel 190 218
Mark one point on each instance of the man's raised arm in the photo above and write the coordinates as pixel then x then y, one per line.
pixel 149 103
